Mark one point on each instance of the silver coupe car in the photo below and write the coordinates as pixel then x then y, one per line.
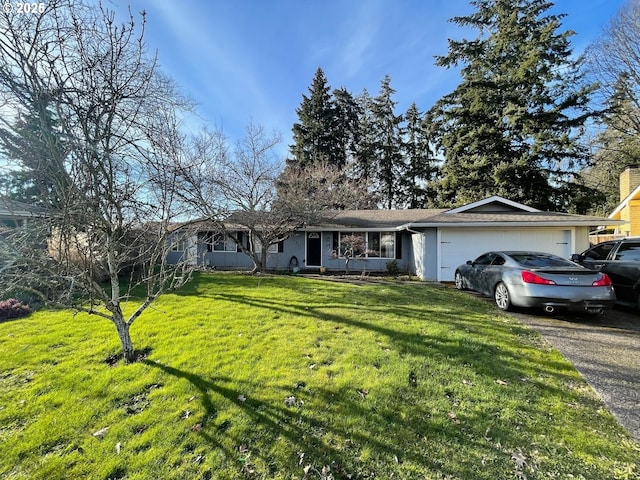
pixel 534 279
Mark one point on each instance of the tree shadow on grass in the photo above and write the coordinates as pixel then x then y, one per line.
pixel 470 337
pixel 336 440
pixel 466 348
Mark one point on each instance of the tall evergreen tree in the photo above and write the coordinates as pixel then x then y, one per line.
pixel 512 127
pixel 365 164
pixel 35 143
pixel 346 126
pixel 313 135
pixel 420 165
pixel 388 143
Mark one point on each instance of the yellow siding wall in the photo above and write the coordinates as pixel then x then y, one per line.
pixel 629 180
pixel 631 215
pixel 634 217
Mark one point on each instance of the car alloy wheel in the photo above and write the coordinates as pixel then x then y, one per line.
pixel 502 298
pixel 459 281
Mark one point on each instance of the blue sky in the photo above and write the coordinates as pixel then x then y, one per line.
pixel 252 60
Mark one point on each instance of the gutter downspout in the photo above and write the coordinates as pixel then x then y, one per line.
pixel 422 260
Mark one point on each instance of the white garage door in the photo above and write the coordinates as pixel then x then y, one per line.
pixel 457 245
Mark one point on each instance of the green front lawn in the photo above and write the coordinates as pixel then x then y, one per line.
pixel 285 377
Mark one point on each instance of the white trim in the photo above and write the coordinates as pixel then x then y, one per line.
pixel 494 198
pixel 625 202
pixel 379 228
pixel 306 249
pixel 438 255
pixel 533 224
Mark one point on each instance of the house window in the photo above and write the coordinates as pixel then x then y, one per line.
pixel 353 243
pixel 368 244
pixel 224 243
pixel 219 242
pixel 273 248
pixel 178 246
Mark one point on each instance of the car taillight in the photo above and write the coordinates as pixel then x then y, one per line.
pixel 530 277
pixel 603 281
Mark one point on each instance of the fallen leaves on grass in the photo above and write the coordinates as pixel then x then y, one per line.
pixel 413 380
pixel 453 417
pixel 522 463
pixel 101 433
pixel 292 401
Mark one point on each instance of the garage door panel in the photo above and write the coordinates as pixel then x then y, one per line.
pixel 459 245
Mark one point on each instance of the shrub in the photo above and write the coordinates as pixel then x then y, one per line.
pixel 393 268
pixel 13 308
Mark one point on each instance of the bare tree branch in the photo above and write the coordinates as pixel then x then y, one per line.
pixel 88 102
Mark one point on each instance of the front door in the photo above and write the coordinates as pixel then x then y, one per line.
pixel 314 249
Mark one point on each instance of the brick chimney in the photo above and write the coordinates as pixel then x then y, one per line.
pixel 629 180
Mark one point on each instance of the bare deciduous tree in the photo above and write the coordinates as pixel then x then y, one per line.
pixel 247 190
pixel 614 60
pixel 82 90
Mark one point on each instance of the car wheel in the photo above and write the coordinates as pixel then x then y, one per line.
pixel 459 281
pixel 502 297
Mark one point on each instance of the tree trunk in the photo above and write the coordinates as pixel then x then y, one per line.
pixel 263 260
pixel 125 340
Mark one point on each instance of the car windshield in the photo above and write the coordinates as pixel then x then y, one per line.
pixel 533 260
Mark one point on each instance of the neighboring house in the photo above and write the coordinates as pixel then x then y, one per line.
pixel 429 243
pixel 16 214
pixel 628 210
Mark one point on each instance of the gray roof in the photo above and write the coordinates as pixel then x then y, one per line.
pixel 13 209
pixel 377 218
pixel 493 211
pixel 423 218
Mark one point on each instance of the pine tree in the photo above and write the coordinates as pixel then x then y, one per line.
pixel 365 164
pixel 36 145
pixel 512 127
pixel 346 133
pixel 313 135
pixel 388 143
pixel 420 166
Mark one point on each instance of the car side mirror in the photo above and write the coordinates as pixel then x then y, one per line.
pixel 469 262
pixel 576 258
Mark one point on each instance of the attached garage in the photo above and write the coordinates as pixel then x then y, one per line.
pixel 457 245
pixel 452 237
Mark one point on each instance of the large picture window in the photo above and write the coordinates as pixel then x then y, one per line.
pixel 273 248
pixel 219 242
pixel 368 244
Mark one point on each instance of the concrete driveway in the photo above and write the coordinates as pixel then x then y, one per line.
pixel 605 350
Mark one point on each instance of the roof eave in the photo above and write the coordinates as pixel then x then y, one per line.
pixel 493 198
pixel 582 223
